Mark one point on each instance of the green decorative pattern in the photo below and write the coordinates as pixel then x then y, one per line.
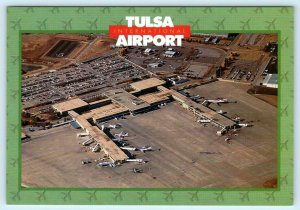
pixel 88 19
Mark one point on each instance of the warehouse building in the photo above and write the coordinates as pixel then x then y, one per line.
pixel 170 54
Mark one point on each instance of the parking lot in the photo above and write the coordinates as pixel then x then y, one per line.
pixel 85 80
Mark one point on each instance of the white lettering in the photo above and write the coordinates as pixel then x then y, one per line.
pixel 158 40
pixel 130 20
pixel 168 22
pixel 144 40
pixel 145 21
pixel 121 41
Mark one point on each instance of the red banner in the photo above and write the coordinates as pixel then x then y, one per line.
pixel 116 30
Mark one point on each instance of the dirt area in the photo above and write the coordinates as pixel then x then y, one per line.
pixel 253 41
pixel 270 99
pixel 97 48
pixel 269 38
pixel 36 46
pixel 244 55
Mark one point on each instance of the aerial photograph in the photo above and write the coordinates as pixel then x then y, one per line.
pixel 200 115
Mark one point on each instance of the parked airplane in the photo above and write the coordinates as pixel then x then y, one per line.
pixel 244 125
pixel 136 170
pixel 215 101
pixel 227 140
pixel 96 148
pixel 106 164
pixel 129 148
pixel 117 139
pixel 121 134
pixel 121 117
pixel 82 134
pixel 145 148
pixel 237 118
pixel 122 143
pixel 221 112
pixel 87 142
pixel 219 100
pixel 114 126
pixel 203 121
pixel 221 132
pixel 195 98
pixel 135 160
pixel 83 162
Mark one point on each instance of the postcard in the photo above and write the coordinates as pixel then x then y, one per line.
pixel 150 105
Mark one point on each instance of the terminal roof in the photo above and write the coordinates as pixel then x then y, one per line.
pixel 147 83
pixel 107 144
pixel 69 105
pixel 126 99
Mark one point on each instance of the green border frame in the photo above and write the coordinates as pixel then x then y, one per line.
pixel 202 19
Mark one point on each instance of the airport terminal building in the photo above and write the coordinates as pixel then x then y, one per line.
pixel 151 93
